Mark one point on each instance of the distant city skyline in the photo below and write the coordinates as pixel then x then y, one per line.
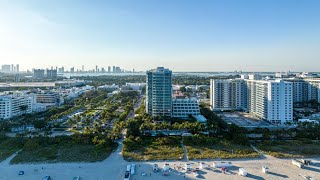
pixel 193 36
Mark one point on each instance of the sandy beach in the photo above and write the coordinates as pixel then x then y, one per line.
pixel 113 168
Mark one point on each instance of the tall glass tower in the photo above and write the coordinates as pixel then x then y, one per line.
pixel 159 92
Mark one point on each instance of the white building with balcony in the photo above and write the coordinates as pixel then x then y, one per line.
pixel 183 108
pixel 228 94
pixel 271 100
pixel 15 105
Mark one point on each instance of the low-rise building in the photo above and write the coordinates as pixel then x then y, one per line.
pixel 112 87
pixel 74 92
pixel 136 86
pixel 23 128
pixel 70 83
pixel 15 105
pixel 48 98
pixel 183 108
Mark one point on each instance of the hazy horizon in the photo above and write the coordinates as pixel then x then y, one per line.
pixel 185 36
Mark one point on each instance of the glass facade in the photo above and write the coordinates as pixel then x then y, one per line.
pixel 159 92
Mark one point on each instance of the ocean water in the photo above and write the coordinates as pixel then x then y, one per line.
pixel 201 74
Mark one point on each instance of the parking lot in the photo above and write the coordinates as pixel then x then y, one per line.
pixel 244 119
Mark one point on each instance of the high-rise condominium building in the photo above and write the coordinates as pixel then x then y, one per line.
pixel 38 73
pixel 52 74
pixel 61 70
pixel 299 90
pixel 109 69
pixel 305 89
pixel 228 94
pixel 6 68
pixel 118 69
pixel 313 87
pixel 271 100
pixel 159 92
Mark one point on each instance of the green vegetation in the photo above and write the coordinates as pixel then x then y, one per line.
pixel 197 80
pixel 152 148
pixel 8 146
pixel 119 80
pixel 92 141
pixel 94 136
pixel 290 149
pixel 122 80
pixel 75 148
pixel 222 141
pixel 200 147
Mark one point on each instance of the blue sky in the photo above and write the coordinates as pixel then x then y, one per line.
pixel 184 35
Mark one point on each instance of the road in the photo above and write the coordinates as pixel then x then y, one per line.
pixel 135 107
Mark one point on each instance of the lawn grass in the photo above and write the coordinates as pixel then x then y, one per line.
pixel 161 148
pixel 290 149
pixel 9 146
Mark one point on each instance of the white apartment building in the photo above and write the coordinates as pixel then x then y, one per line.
pixel 305 89
pixel 136 86
pixel 299 90
pixel 313 86
pixel 5 107
pixel 112 87
pixel 74 92
pixel 15 105
pixel 228 94
pixel 182 108
pixel 271 100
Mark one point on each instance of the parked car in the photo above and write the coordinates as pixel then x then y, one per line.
pixel 133 169
pixel 155 167
pixel 21 172
pixel 127 175
pixel 188 167
pixel 76 178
